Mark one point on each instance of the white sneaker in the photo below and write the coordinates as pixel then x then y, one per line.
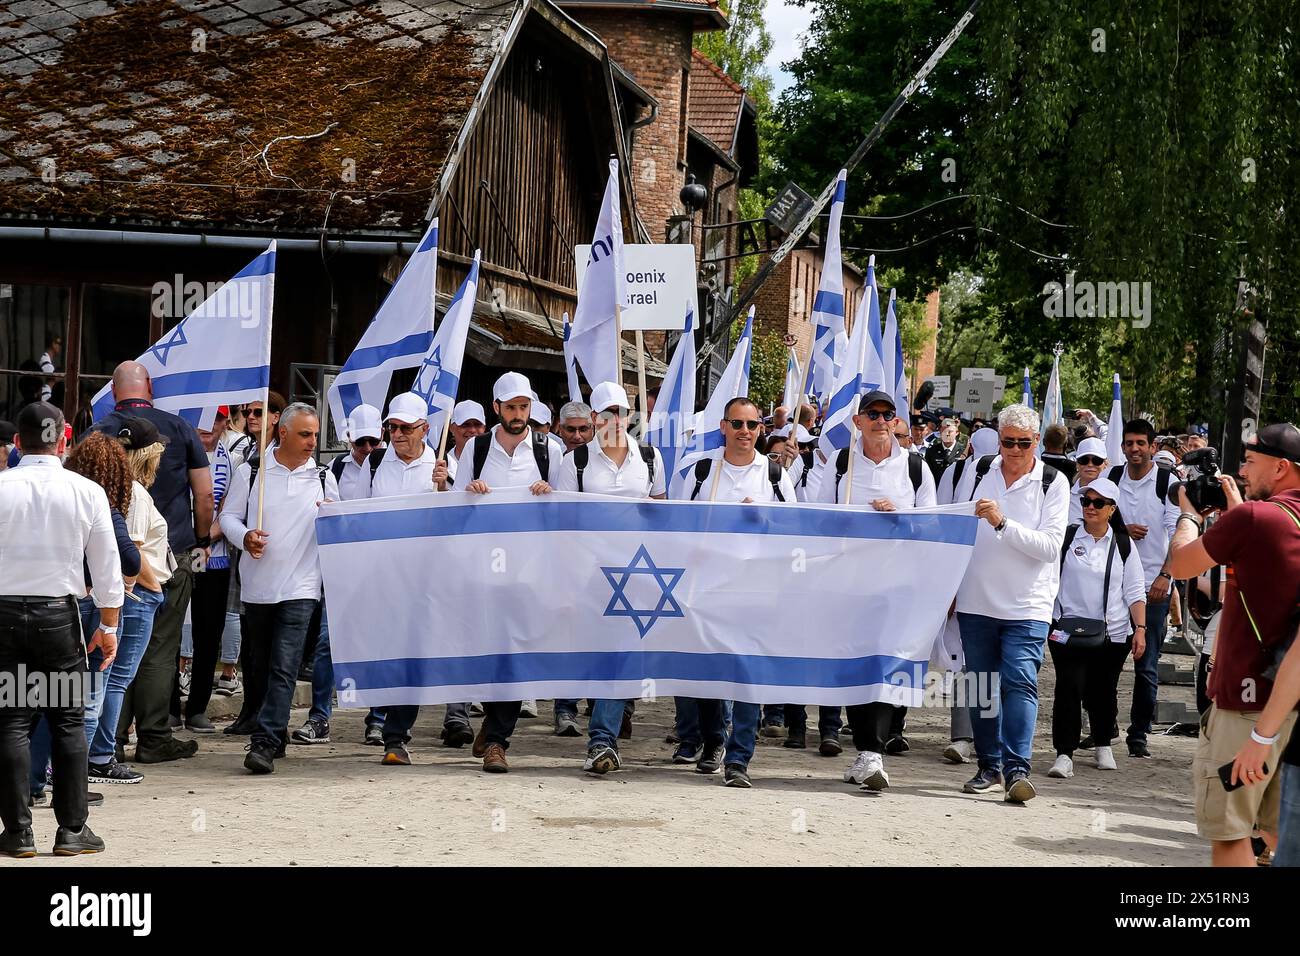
pixel 228 686
pixel 865 764
pixel 528 708
pixel 876 778
pixel 1063 769
pixel 1105 758
pixel 475 709
pixel 959 751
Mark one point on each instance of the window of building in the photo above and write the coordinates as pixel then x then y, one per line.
pixel 30 315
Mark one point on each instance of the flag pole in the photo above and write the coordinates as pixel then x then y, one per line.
pixel 848 473
pixel 266 402
pixel 640 382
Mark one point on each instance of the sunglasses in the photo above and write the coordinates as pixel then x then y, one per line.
pixel 1089 501
pixel 739 423
pixel 254 413
pixel 402 428
pixel 775 455
pixel 367 443
pixel 1091 460
pixel 1025 443
pixel 875 414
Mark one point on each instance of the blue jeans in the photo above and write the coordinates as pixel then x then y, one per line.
pixel 105 709
pixel 1288 826
pixel 322 675
pixel 1011 651
pixel 744 728
pixel 686 723
pixel 829 720
pixel 1146 674
pixel 606 721
pixel 283 632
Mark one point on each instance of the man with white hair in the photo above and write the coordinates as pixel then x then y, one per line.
pixel 1005 602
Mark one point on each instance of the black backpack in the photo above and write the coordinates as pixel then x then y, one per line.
pixel 982 468
pixel 807 457
pixel 914 464
pixel 483 444
pixel 1163 477
pixel 374 458
pixel 1122 542
pixel 704 466
pixel 582 454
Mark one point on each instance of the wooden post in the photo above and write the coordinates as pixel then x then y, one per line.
pixel 848 473
pixel 640 383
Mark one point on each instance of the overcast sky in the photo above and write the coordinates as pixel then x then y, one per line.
pixel 785 22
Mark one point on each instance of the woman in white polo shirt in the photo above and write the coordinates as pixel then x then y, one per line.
pixel 1102 594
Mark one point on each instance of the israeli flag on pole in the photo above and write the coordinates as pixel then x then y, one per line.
pixel 670 422
pixel 593 338
pixel 707 441
pixel 398 337
pixel 439 375
pixel 1026 393
pixel 1052 411
pixel 1115 429
pixel 570 364
pixel 873 374
pixel 896 379
pixel 219 354
pixel 791 396
pixel 830 341
pixel 852 383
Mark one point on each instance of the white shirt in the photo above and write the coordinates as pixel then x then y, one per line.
pixel 397 477
pixel 50 519
pixel 354 479
pixel 558 448
pixel 889 479
pixel 1139 504
pixel 738 482
pixel 1013 576
pixel 148 529
pixel 795 471
pixel 288 569
pixel 503 470
pixel 47 366
pixel 601 476
pixel 1083 575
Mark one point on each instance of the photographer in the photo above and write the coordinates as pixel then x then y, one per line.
pixel 1260 540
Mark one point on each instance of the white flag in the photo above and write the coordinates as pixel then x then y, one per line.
pixel 593 338
pixel 439 377
pixel 707 441
pixel 830 341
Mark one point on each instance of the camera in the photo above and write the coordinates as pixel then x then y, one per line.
pixel 1202 482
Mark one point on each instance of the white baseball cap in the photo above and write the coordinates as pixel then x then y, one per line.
pixel 985 441
pixel 608 394
pixel 364 422
pixel 803 436
pixel 540 412
pixel 407 408
pixel 1104 487
pixel 511 385
pixel 1165 456
pixel 468 411
pixel 1091 446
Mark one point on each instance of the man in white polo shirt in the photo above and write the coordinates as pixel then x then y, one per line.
pixel 511 455
pixel 1004 604
pixel 365 433
pixel 610 464
pixel 279 578
pixel 875 473
pixel 739 474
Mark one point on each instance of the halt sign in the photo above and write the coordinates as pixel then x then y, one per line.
pixel 660 283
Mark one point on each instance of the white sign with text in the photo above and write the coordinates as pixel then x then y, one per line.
pixel 660 283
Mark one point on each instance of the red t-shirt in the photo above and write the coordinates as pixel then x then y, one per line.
pixel 1262 544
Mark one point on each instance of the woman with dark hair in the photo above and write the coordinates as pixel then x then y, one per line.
pixel 1100 617
pixel 248 447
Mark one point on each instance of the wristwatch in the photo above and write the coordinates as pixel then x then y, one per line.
pixel 203 542
pixel 1001 525
pixel 109 630
pixel 1166 574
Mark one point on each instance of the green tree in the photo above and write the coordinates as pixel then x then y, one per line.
pixel 766 366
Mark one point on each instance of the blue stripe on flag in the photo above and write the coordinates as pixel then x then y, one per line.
pixel 262 265
pixel 430 241
pixel 840 189
pixel 416 343
pixel 698 518
pixel 210 381
pixel 350 397
pixel 754 669
pixel 831 303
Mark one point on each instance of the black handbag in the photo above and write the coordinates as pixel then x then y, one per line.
pixel 1088 633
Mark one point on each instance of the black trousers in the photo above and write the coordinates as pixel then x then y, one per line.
pixel 1087 679
pixel 207 624
pixel 874 724
pixel 42 636
pixel 255 661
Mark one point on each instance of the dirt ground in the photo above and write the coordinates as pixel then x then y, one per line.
pixel 333 804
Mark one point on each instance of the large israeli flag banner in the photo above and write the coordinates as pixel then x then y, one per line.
pixel 660 598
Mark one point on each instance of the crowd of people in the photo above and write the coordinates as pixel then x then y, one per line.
pixel 172 564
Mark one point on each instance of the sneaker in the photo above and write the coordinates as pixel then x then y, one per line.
pixel 112 772
pixel 1138 748
pixel 374 735
pixel 984 781
pixel 199 724
pixel 75 842
pixel 528 708
pixel 94 798
pixel 475 709
pixel 830 746
pixel 184 679
pixel 457 735
pixel 1105 758
pixel 602 760
pixel 772 730
pixel 877 780
pixel 897 745
pixel 494 759
pixel 1019 789
pixel 710 759
pixel 566 725
pixel 959 751
pixel 1265 857
pixel 1063 769
pixel 39 801
pixel 687 753
pixel 861 767
pixel 736 776
pixel 795 740
pixel 169 749
pixel 395 755
pixel 1086 743
pixel 175 723
pixel 226 686
pixel 312 732
pixel 240 728
pixel 21 845
pixel 260 759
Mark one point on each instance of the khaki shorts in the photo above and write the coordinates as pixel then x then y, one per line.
pixel 1234 816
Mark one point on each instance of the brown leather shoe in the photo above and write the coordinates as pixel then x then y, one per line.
pixel 479 749
pixel 494 761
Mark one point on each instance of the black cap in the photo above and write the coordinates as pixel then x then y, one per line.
pixel 7 432
pixel 1277 441
pixel 40 425
pixel 136 433
pixel 871 398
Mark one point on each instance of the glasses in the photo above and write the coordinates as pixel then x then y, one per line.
pixel 1024 443
pixel 775 455
pixel 254 413
pixel 739 423
pixel 875 414
pixel 402 428
pixel 609 414
pixel 1091 460
pixel 1088 501
pixel 367 443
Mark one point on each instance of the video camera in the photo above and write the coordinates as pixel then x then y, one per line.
pixel 1202 482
